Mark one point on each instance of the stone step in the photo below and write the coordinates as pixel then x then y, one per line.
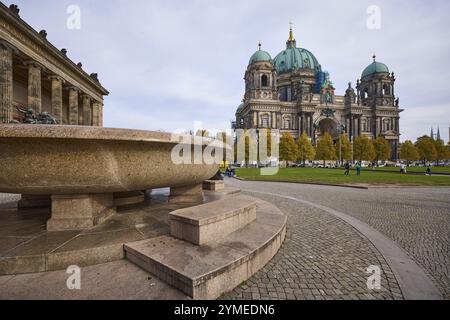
pixel 211 221
pixel 210 270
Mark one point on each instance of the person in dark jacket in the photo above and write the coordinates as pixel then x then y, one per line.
pixel 347 168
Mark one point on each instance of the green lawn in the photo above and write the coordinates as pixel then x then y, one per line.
pixel 336 176
pixel 418 169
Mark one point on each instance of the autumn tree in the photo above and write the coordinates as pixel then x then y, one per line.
pixel 346 149
pixel 202 133
pixel 288 147
pixel 408 152
pixel 269 138
pixel 426 148
pixel 226 139
pixel 363 149
pixel 382 149
pixel 441 151
pixel 325 149
pixel 246 147
pixel 305 149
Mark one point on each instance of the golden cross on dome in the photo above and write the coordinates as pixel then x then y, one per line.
pixel 291 34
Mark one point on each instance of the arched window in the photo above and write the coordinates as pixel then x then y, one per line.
pixel 386 90
pixel 264 81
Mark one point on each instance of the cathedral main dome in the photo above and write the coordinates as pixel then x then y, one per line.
pixel 294 58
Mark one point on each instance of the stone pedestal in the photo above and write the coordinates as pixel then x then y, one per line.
pixel 127 198
pixel 29 201
pixel 186 194
pixel 77 212
pixel 213 185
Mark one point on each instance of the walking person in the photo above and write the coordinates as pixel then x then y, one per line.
pixel 358 169
pixel 347 168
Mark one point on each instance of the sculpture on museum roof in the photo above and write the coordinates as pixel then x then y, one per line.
pixel 30 118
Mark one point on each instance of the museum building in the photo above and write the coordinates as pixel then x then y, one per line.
pixel 36 75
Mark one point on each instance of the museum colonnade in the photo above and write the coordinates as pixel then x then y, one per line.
pixel 39 89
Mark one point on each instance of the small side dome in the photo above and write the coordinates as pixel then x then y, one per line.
pixel 239 109
pixel 260 55
pixel 375 67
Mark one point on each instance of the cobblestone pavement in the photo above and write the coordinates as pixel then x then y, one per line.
pixel 417 219
pixel 322 258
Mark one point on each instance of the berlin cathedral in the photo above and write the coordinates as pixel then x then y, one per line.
pixel 293 94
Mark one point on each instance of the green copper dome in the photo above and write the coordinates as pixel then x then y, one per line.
pixel 295 58
pixel 239 109
pixel 260 55
pixel 375 67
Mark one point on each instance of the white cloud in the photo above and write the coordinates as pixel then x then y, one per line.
pixel 170 63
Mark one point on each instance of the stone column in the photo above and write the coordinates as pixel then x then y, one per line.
pixel 6 83
pixel 359 125
pixel 73 106
pixel 57 106
pixel 311 125
pixel 87 110
pixel 95 118
pixel 34 87
pixel 100 114
pixel 302 127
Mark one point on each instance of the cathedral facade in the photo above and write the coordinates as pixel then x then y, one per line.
pixel 293 94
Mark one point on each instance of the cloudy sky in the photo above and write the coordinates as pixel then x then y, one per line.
pixel 170 63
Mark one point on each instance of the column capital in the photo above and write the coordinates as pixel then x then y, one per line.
pixel 73 88
pixel 85 96
pixel 97 102
pixel 56 77
pixel 6 45
pixel 34 64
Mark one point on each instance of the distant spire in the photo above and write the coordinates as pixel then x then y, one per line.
pixel 438 135
pixel 291 43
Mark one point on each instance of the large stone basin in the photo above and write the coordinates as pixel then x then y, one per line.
pixel 84 166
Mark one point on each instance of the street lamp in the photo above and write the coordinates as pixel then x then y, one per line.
pixel 341 130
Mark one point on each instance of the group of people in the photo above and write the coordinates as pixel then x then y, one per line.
pixel 348 166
